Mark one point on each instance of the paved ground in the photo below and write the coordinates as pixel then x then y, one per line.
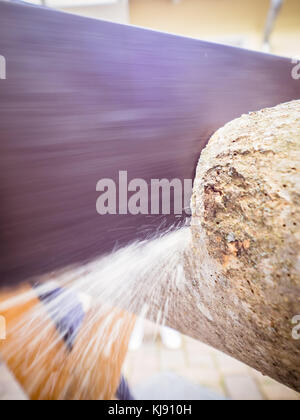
pixel 204 366
pixel 170 386
pixel 195 363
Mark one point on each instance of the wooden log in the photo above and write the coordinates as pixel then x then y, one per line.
pixel 245 250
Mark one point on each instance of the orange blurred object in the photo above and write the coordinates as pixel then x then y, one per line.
pixel 46 364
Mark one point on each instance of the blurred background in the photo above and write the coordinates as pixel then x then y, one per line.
pixel 241 23
pixel 263 25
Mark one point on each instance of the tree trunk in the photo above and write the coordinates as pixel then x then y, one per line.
pixel 245 254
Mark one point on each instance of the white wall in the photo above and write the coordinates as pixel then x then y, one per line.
pixel 114 11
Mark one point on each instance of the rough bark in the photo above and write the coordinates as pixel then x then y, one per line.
pixel 245 253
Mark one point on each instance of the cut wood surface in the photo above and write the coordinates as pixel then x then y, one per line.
pixel 244 257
